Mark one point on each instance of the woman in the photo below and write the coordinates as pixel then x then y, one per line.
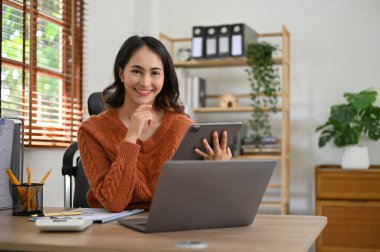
pixel 123 148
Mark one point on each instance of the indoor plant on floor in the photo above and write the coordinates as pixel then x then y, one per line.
pixel 348 123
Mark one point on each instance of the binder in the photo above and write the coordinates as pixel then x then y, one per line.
pixel 211 41
pixel 199 92
pixel 198 42
pixel 241 36
pixel 224 41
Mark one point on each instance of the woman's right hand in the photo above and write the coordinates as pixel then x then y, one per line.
pixel 140 116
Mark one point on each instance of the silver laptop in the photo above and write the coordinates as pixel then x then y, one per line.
pixel 205 194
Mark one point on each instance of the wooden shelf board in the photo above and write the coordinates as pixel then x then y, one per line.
pixel 219 62
pixel 218 109
pixel 217 96
pixel 274 186
pixel 260 156
pixel 272 203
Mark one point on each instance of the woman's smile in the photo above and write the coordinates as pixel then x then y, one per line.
pixel 143 92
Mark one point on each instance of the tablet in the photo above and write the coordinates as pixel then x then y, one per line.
pixel 195 134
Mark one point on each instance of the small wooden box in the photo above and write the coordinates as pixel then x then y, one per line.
pixel 351 201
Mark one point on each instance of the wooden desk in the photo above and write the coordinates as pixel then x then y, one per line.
pixel 267 233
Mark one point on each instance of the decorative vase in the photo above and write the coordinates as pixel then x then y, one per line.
pixel 355 157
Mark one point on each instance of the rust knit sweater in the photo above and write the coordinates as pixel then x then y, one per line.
pixel 123 175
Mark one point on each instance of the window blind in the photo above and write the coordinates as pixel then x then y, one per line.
pixel 41 68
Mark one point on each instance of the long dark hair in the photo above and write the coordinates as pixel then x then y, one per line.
pixel 168 98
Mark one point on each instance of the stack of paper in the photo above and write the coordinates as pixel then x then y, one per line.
pixel 101 215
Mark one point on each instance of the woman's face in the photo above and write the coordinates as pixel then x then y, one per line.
pixel 143 77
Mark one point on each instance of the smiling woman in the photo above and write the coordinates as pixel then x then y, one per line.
pixel 41 66
pixel 123 148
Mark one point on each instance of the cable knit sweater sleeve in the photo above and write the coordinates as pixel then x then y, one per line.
pixel 112 183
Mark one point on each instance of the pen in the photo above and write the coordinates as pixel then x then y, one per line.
pixel 58 214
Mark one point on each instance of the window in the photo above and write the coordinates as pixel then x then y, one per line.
pixel 41 68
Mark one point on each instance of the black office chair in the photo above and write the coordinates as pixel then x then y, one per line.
pixel 72 165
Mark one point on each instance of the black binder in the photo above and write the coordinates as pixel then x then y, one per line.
pixel 199 92
pixel 198 42
pixel 224 41
pixel 241 36
pixel 211 41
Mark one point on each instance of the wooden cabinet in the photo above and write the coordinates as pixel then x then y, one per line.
pixel 283 61
pixel 351 201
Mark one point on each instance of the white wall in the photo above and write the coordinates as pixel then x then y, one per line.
pixel 334 50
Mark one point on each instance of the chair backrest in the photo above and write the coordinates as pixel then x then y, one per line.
pixel 95 103
pixel 72 165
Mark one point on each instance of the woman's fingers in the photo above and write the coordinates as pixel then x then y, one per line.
pixel 215 141
pixel 201 153
pixel 208 148
pixel 223 142
pixel 220 151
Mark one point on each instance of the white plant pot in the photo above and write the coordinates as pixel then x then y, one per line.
pixel 355 157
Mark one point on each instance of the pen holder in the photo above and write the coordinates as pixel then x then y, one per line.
pixel 27 199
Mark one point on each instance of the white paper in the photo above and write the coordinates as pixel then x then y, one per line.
pixel 101 215
pixel 236 45
pixel 223 45
pixel 211 46
pixel 6 140
pixel 197 47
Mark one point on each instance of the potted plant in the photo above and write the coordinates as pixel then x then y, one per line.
pixel 265 86
pixel 348 123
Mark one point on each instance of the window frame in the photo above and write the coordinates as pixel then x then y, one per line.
pixel 39 135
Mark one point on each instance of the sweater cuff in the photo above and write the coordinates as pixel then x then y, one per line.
pixel 128 151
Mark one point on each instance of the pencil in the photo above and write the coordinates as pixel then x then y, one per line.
pixel 69 213
pixel 20 191
pixel 42 181
pixel 28 196
pixel 45 177
pixel 12 177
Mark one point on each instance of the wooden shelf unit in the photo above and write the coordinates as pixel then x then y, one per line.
pixel 284 62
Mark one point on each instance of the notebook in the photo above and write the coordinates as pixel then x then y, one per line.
pixel 197 194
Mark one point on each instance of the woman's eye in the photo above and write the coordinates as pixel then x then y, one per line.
pixel 156 73
pixel 136 71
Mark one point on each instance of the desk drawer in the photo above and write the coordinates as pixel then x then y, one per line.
pixel 335 183
pixel 351 226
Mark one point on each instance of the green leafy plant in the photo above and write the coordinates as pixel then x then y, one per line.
pixel 348 122
pixel 265 85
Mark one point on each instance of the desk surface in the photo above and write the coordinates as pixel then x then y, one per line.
pixel 267 233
